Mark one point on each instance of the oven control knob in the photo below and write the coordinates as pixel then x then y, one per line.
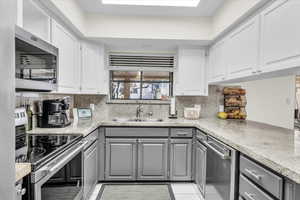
pixel 21 192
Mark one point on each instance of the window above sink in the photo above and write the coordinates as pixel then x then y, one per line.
pixel 141 78
pixel 141 85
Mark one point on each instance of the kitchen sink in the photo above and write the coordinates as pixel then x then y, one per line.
pixel 137 120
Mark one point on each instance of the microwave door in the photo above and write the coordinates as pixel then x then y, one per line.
pixel 36 63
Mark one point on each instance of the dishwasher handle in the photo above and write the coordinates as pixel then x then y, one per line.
pixel 224 155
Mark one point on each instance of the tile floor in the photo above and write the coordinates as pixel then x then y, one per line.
pixel 186 191
pixel 182 191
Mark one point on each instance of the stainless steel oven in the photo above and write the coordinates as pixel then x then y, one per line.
pixel 220 169
pixel 62 177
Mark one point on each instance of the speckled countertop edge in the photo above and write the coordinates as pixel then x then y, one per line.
pixel 22 170
pixel 227 132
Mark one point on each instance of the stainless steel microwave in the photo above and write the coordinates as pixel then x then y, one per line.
pixel 36 62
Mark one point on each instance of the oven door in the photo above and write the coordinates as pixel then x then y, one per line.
pixel 62 178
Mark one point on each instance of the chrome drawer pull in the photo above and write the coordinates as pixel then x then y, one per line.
pixel 181 134
pixel 250 196
pixel 253 174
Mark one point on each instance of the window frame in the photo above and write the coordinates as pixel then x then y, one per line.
pixel 141 82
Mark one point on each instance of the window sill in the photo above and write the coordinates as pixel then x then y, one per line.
pixel 155 102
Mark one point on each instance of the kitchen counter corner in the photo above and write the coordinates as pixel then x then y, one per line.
pixel 22 170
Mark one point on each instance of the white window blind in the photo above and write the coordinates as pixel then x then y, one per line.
pixel 146 62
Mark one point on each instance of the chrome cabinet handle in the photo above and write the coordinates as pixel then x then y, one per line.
pixel 181 134
pixel 250 196
pixel 253 174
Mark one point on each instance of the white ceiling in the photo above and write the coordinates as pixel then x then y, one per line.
pixel 205 8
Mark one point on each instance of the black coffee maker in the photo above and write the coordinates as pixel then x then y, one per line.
pixel 55 113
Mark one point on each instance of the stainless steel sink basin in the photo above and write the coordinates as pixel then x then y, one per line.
pixel 137 120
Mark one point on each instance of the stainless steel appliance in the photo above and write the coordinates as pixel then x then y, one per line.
pixel 57 167
pixel 220 174
pixel 54 113
pixel 90 163
pixel 20 133
pixel 20 146
pixel 36 62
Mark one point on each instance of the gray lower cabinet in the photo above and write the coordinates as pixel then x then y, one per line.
pixel 200 167
pixel 152 159
pixel 292 190
pixel 120 159
pixel 101 155
pixel 262 176
pixel 249 191
pixel 180 160
pixel 90 169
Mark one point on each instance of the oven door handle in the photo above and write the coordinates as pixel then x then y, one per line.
pixel 224 156
pixel 69 155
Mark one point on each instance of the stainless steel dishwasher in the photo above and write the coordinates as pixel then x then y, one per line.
pixel 220 169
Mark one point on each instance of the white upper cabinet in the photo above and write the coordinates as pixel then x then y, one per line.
pixel 92 70
pixel 243 50
pixel 33 19
pixel 280 31
pixel 218 62
pixel 89 71
pixel 69 59
pixel 191 73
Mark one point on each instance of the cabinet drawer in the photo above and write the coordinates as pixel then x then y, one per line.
pixel 181 132
pixel 251 192
pixel 263 177
pixel 136 132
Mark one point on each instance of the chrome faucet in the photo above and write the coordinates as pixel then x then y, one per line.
pixel 139 110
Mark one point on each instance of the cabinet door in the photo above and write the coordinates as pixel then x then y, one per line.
pixel 191 73
pixel 68 61
pixel 200 171
pixel 280 39
pixel 89 71
pixel 181 152
pixel 152 159
pixel 243 54
pixel 120 159
pixel 90 169
pixel 101 155
pixel 217 62
pixel 291 190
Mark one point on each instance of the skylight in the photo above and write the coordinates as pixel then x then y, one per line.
pixel 177 3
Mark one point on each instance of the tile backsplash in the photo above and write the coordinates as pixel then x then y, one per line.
pixel 209 105
pixel 109 111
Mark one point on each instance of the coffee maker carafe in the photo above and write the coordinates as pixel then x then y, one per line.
pixel 55 113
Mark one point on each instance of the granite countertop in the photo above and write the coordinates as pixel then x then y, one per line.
pixel 274 147
pixel 22 170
